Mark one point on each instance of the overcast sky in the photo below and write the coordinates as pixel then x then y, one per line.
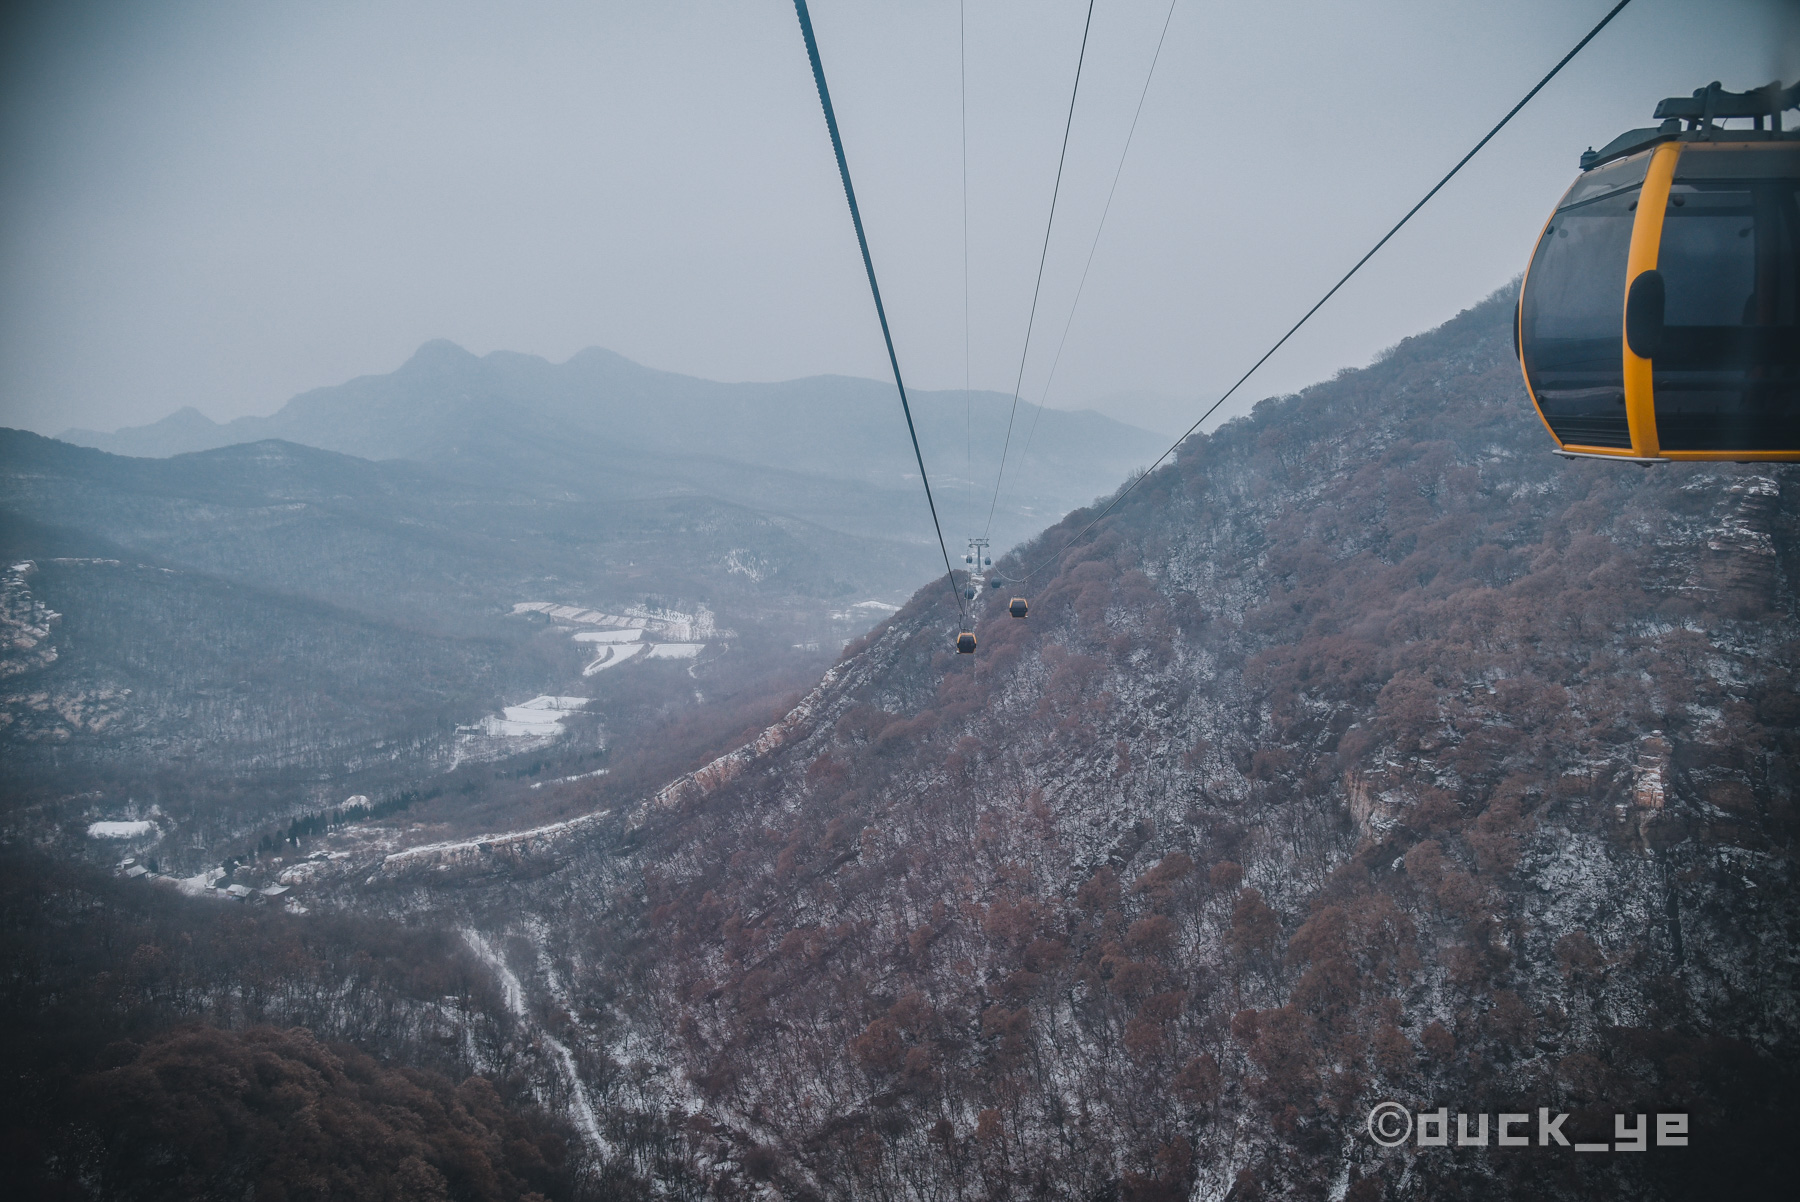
pixel 224 204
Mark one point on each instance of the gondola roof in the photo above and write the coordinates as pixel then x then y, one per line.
pixel 1693 118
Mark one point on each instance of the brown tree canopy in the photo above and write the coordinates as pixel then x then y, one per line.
pixel 277 1116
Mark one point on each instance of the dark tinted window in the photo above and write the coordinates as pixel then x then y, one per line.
pixel 1728 370
pixel 1708 256
pixel 1570 334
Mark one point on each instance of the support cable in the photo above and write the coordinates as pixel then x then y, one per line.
pixel 962 71
pixel 1461 163
pixel 1049 224
pixel 837 146
pixel 1056 359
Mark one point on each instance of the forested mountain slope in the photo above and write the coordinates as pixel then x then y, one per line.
pixel 395 537
pixel 1368 752
pixel 243 635
pixel 157 1047
pixel 272 608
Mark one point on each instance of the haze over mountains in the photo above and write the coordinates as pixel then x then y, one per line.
pixel 829 449
pixel 321 600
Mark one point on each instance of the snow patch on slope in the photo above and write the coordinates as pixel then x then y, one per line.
pixel 120 830
pixel 514 994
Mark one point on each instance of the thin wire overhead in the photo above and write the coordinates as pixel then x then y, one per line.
pixel 837 146
pixel 1031 434
pixel 962 69
pixel 1049 224
pixel 1279 342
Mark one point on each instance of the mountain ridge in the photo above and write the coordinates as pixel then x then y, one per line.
pixel 832 450
pixel 188 429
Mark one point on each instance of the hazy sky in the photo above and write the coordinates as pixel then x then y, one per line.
pixel 223 204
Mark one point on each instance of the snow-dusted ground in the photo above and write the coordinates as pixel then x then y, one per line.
pixel 673 624
pixel 514 993
pixel 565 779
pixel 303 872
pixel 541 717
pixel 511 992
pixel 630 635
pixel 609 636
pixel 612 655
pixel 120 830
pixel 201 884
pixel 863 611
pixel 562 613
pixel 743 561
pixel 482 841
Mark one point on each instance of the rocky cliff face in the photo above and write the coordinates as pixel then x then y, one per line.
pixel 1368 752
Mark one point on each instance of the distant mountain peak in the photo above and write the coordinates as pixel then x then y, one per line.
pixel 183 420
pixel 439 353
pixel 185 429
pixel 596 362
pixel 599 354
pixel 187 415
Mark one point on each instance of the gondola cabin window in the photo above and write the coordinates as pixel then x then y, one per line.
pixel 1569 328
pixel 1727 367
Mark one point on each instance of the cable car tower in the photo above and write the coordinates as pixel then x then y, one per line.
pixel 977 559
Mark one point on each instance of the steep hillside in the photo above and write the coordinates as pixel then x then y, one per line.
pixel 154 1047
pixel 1368 752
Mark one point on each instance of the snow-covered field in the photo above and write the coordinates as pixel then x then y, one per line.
pixel 541 717
pixel 672 624
pixel 609 636
pixel 612 655
pixel 630 635
pixel 120 830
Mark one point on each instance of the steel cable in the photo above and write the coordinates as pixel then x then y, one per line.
pixel 1056 359
pixel 1211 409
pixel 862 240
pixel 1049 224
